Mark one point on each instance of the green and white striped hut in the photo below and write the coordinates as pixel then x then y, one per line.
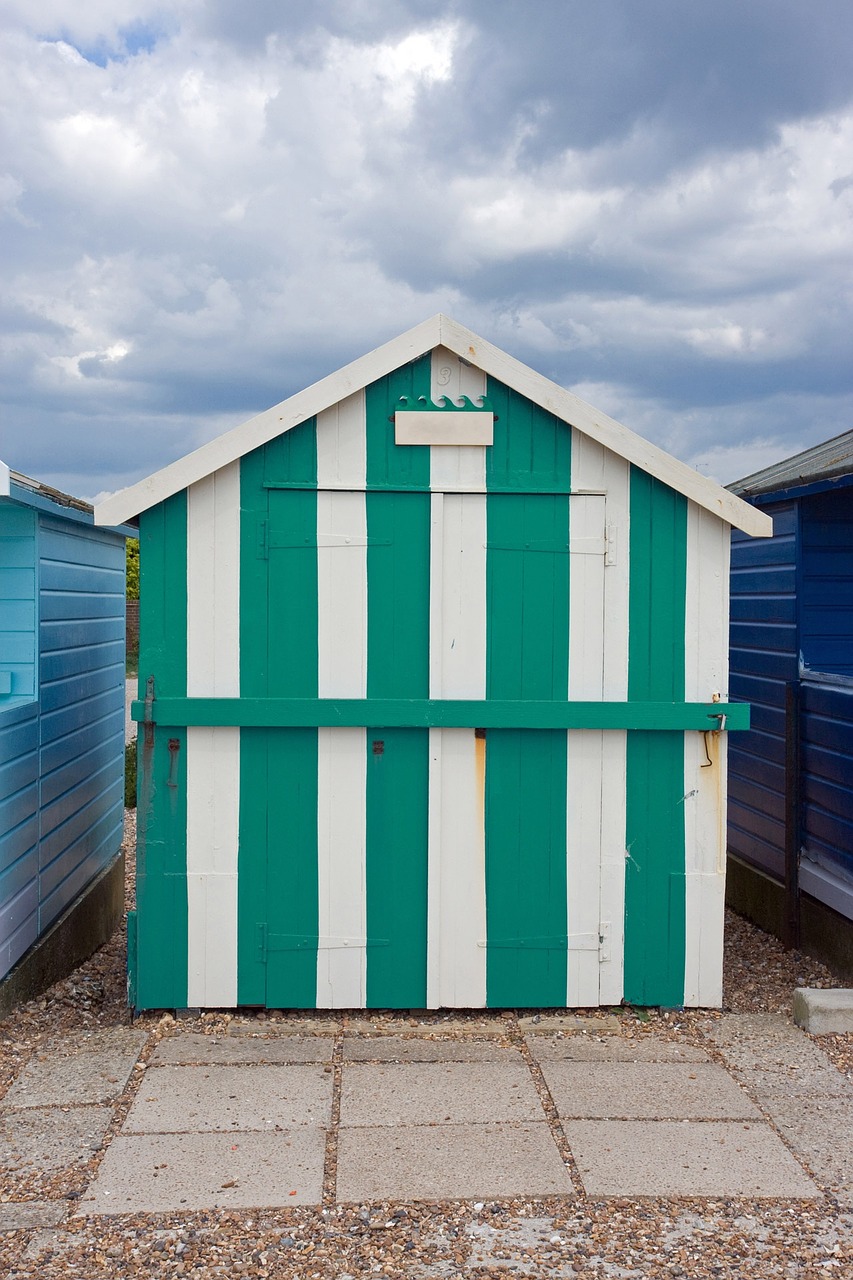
pixel 433 688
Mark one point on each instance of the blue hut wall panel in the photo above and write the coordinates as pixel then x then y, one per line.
pixel 61 711
pixel 792 621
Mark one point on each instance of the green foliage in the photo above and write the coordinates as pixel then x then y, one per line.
pixel 132 554
pixel 130 775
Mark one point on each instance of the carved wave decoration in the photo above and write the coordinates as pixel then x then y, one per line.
pixel 423 404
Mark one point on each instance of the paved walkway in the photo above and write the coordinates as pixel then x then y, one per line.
pixel 324 1117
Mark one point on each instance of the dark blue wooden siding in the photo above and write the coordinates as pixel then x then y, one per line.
pixel 826 596
pixel 826 723
pixel 62 754
pixel 764 656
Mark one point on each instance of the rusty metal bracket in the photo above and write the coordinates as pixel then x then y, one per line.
pixel 148 719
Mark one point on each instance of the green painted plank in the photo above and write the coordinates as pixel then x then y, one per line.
pixel 531 450
pixel 654 879
pixel 413 713
pixel 398 558
pixel 277 868
pixel 397 860
pixel 161 871
pixel 527 600
pixel 389 465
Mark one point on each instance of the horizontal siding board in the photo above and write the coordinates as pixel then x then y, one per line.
pixel 766 772
pixel 17 875
pixel 73 660
pixel 751 793
pixel 59 605
pixel 764 580
pixel 764 609
pixel 762 551
pixel 18 927
pixel 85 861
pixel 756 689
pixel 64 633
pixel 18 808
pixel 19 840
pixel 81 579
pixel 744 844
pixel 74 842
pixel 58 752
pixel 58 541
pixel 67 691
pixel 833 766
pixel 767 664
pixel 56 724
pixel 79 782
pixel 759 826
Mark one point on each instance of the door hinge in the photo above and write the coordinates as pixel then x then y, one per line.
pixel 611 539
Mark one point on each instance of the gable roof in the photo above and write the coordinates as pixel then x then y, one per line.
pixel 827 461
pixel 439 330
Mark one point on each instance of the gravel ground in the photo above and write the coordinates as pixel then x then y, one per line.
pixel 558 1237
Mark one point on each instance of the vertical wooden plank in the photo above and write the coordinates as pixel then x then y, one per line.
pixel 213 755
pixel 278 814
pixel 457 887
pixel 161 876
pixel 456 469
pixel 587 793
pixel 527 571
pixel 706 674
pixel 398 574
pixel 654 887
pixel 342 673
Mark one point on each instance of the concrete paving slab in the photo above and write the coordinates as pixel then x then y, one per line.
pixel 92 1069
pixel 224 1050
pixel 449 1161
pixel 784 1083
pixel 44 1138
pixel 822 1133
pixel 731 1028
pixel 30 1215
pixel 610 1049
pixel 158 1173
pixel 677 1158
pixel 594 1024
pixel 646 1090
pixel 284 1026
pixel 824 1012
pixel 494 1026
pixel 800 1054
pixel 409 1093
pixel 419 1049
pixel 180 1099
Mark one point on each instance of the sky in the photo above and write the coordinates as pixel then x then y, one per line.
pixel 207 206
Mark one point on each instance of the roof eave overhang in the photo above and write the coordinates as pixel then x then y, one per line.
pixel 439 330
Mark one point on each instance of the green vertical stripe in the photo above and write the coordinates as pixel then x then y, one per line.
pixel 654 881
pixel 398 565
pixel 392 466
pixel 527 625
pixel 161 875
pixel 278 910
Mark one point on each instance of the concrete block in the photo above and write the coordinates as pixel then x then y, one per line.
pixel 410 1093
pixel 46 1138
pixel 225 1050
pixel 160 1173
pixel 176 1099
pixel 821 1132
pixel 677 1158
pixel 448 1162
pixel 29 1215
pixel 733 1028
pixel 94 1069
pixel 594 1024
pixel 824 1012
pixel 574 1048
pixel 646 1090
pixel 419 1049
pixel 290 1025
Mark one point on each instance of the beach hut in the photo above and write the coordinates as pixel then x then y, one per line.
pixel 791 803
pixel 432 698
pixel 61 733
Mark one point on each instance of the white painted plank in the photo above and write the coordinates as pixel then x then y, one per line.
pixel 342 444
pixel 342 594
pixel 443 428
pixel 342 673
pixel 456 925
pixel 460 468
pixel 213 822
pixel 706 675
pixel 213 754
pixel 615 476
pixel 341 852
pixel 438 330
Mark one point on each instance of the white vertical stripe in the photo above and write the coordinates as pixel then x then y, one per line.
pixel 342 673
pixel 598 668
pixel 342 445
pixel 456 960
pixel 213 754
pixel 462 469
pixel 706 673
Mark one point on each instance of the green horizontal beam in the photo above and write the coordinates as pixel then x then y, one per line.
pixel 423 713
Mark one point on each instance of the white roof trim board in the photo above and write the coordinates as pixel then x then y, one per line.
pixel 437 331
